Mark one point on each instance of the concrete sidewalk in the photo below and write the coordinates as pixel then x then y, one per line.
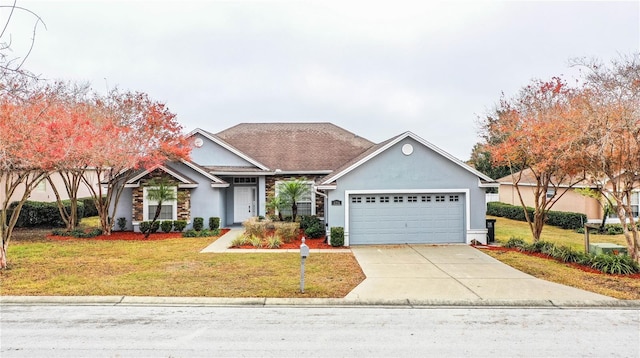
pixel 452 272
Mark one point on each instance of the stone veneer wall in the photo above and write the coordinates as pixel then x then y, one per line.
pixel 270 183
pixel 184 197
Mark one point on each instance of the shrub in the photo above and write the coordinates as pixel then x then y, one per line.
pixel 566 254
pixel 240 241
pixel 198 224
pixel 179 225
pixel 255 241
pixel 306 221
pixel 77 233
pixel 312 227
pixel 516 243
pixel 122 223
pixel 41 214
pixel 254 227
pixel 274 242
pixel 316 230
pixel 89 207
pixel 166 225
pixel 190 233
pixel 337 236
pixel 565 220
pixel 155 226
pixel 202 233
pixel 615 264
pixel 287 231
pixel 145 226
pixel 543 247
pixel 214 223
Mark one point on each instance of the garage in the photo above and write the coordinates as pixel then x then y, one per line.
pixel 399 218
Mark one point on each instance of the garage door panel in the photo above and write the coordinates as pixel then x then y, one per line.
pixel 406 218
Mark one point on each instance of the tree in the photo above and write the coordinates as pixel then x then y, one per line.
pixel 608 113
pixel 160 191
pixel 277 204
pixel 532 131
pixel 29 151
pixel 292 191
pixel 134 132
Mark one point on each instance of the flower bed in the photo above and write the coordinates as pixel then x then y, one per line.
pixel 548 257
pixel 130 235
pixel 318 243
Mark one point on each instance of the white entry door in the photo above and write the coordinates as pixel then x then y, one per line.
pixel 244 203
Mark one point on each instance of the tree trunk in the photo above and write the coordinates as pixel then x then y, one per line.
pixel 294 211
pixel 3 255
pixel 155 217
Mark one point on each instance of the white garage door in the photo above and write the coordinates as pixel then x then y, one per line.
pixel 406 218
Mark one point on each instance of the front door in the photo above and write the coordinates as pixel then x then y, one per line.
pixel 244 203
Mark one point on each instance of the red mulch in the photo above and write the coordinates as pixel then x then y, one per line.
pixel 129 236
pixel 295 244
pixel 545 256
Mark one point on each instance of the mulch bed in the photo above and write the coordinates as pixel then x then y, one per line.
pixel 545 256
pixel 318 243
pixel 129 236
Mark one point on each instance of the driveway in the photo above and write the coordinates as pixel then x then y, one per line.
pixel 451 273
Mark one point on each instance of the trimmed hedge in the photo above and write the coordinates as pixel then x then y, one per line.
pixel 337 236
pixel 89 207
pixel 42 214
pixel 565 220
pixel 198 223
pixel 214 223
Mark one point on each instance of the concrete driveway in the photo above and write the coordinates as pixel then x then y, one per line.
pixel 451 273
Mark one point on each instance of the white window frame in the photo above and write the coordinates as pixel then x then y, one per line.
pixel 146 203
pixel 312 195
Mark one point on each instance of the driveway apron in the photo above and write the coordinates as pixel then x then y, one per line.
pixel 450 272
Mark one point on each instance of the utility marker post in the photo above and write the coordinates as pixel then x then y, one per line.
pixel 304 252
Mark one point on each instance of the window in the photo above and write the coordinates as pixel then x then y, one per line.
pixel 245 180
pixel 551 193
pixel 356 199
pixel 370 199
pixel 306 204
pixel 412 199
pixel 634 203
pixel 169 210
pixel 454 198
pixel 439 198
pixel 426 198
pixel 384 199
pixel 398 199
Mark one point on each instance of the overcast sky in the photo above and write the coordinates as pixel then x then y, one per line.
pixel 376 68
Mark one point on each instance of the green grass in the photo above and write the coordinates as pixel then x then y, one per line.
pixel 173 267
pixel 506 229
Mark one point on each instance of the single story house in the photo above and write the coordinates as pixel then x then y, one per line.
pixel 569 201
pixel 45 193
pixel 403 190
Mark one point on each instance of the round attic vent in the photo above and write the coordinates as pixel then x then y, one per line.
pixel 198 142
pixel 407 149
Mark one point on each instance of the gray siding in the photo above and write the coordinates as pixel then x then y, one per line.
pixel 423 170
pixel 213 154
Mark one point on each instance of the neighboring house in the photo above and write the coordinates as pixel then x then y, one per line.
pixel 44 191
pixel 570 201
pixel 403 190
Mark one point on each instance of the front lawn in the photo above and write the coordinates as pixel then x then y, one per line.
pixel 554 271
pixel 172 267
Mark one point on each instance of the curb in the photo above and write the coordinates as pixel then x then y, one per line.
pixel 306 302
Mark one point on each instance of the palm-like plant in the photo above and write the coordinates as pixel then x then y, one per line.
pixel 292 191
pixel 160 191
pixel 277 204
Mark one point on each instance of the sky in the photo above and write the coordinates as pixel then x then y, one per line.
pixel 375 68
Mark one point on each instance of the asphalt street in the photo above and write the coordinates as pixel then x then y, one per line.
pixel 333 331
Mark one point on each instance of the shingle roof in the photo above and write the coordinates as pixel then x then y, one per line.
pixel 296 146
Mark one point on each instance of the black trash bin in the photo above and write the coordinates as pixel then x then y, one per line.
pixel 491 230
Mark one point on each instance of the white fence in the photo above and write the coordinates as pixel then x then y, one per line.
pixel 489 197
